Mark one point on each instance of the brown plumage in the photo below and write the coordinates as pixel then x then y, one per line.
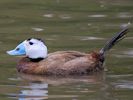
pixel 61 62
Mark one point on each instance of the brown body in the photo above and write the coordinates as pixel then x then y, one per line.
pixel 62 63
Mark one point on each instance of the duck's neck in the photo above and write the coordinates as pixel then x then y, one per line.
pixel 36 59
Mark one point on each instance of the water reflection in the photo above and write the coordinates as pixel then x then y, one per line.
pixel 59 80
pixel 35 87
pixel 36 91
pixel 33 94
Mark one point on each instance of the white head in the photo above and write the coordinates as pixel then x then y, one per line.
pixel 33 48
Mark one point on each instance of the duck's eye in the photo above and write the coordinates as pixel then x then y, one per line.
pixel 17 49
pixel 31 43
pixel 28 39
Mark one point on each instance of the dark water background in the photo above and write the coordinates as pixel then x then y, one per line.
pixel 82 25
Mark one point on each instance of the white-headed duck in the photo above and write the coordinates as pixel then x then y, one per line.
pixel 38 61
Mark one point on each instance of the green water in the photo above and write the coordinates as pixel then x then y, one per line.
pixel 82 25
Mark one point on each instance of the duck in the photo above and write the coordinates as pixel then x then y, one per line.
pixel 38 61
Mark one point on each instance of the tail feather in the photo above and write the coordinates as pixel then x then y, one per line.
pixel 114 40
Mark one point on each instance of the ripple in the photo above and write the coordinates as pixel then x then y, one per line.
pixel 129 38
pixel 37 29
pixel 15 79
pixel 65 16
pixel 48 15
pixel 124 15
pixel 27 97
pixel 120 55
pixel 62 96
pixel 125 24
pixel 127 86
pixel 89 24
pixel 128 53
pixel 35 92
pixel 125 54
pixel 97 16
pixel 91 38
pixel 36 86
pixel 124 85
pixel 120 76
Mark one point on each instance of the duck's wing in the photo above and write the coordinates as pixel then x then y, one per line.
pixel 76 53
pixel 67 55
pixel 70 62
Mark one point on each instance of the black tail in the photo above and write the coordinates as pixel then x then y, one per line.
pixel 114 40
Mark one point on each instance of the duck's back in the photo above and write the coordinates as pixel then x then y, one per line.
pixel 62 63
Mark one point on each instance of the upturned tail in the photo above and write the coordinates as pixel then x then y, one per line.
pixel 114 40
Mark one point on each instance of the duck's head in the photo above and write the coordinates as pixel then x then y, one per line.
pixel 32 48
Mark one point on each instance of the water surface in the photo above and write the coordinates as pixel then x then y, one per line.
pixel 82 25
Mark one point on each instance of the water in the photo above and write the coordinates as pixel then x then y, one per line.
pixel 82 25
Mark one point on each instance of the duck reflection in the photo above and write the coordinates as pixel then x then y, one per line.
pixel 33 91
pixel 58 80
pixel 35 87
